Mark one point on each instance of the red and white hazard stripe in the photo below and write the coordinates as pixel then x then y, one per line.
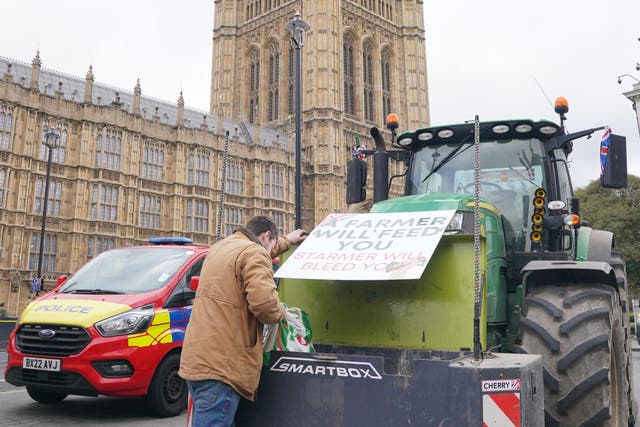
pixel 501 409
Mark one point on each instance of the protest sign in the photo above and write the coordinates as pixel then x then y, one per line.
pixel 373 246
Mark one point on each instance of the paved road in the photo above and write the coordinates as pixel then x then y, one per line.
pixel 17 408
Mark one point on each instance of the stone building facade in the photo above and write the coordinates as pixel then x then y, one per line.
pixel 129 167
pixel 126 168
pixel 361 60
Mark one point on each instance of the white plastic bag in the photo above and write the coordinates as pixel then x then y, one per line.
pixel 293 333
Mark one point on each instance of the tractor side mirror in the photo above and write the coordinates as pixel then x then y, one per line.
pixel 614 160
pixel 194 282
pixel 356 180
pixel 574 202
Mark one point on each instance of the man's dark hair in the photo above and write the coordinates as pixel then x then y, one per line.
pixel 259 224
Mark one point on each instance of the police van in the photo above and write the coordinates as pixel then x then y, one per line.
pixel 115 328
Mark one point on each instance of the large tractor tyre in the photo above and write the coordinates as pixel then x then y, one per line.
pixel 44 396
pixel 578 331
pixel 168 393
pixel 617 262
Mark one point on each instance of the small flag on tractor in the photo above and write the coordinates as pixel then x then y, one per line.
pixel 604 149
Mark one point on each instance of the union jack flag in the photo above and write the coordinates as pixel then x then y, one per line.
pixel 604 149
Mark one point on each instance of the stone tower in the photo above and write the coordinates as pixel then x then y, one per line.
pixel 361 60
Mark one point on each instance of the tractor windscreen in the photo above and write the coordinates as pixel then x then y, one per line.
pixel 510 171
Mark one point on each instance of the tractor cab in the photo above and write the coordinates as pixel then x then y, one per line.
pixel 523 172
pixel 513 165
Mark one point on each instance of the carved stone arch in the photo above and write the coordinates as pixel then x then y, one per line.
pixel 349 31
pixel 252 75
pixel 370 80
pixel 252 49
pixel 388 84
pixel 271 40
pixel 287 76
pixel 386 48
pixel 371 41
pixel 271 80
pixel 352 72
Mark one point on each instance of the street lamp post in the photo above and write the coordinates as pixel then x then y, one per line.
pixel 53 137
pixel 297 26
pixel 634 94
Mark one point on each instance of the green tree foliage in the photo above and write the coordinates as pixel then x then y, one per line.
pixel 618 211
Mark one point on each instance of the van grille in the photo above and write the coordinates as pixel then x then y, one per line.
pixel 65 341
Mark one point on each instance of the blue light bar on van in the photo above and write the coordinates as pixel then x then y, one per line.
pixel 170 241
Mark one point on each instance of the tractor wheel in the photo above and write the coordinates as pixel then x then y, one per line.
pixel 579 333
pixel 168 392
pixel 617 262
pixel 43 396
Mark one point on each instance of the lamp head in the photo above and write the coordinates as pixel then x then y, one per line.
pixel 297 25
pixel 51 139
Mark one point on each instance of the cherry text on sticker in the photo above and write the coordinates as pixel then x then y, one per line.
pixel 492 386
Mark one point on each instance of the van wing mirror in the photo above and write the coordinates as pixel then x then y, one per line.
pixel 180 299
pixel 613 159
pixel 194 282
pixel 356 180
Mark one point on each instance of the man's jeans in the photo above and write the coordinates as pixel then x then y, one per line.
pixel 214 403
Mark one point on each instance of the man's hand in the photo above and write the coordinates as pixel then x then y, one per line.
pixel 297 236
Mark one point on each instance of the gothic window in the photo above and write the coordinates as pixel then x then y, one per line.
pixel 198 170
pixel 108 149
pixel 274 82
pixel 367 76
pixel 104 202
pixel 197 216
pixel 254 85
pixel 291 81
pixel 6 119
pixel 233 219
pixel 274 183
pixel 149 210
pixel 49 250
pixel 54 199
pixel 278 218
pixel 152 161
pixel 235 178
pixel 349 77
pixel 386 83
pixel 3 180
pixel 96 246
pixel 58 153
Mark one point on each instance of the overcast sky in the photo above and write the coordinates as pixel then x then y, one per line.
pixel 494 58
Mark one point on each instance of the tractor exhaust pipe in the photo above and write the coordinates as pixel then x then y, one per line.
pixel 380 167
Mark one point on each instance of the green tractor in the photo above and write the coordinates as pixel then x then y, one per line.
pixel 554 286
pixel 543 283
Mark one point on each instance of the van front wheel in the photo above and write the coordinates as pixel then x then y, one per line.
pixel 44 396
pixel 167 395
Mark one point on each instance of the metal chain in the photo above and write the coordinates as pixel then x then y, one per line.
pixel 223 184
pixel 476 234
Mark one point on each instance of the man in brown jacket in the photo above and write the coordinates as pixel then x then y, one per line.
pixel 222 351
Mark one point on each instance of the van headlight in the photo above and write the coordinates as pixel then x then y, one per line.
pixel 130 322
